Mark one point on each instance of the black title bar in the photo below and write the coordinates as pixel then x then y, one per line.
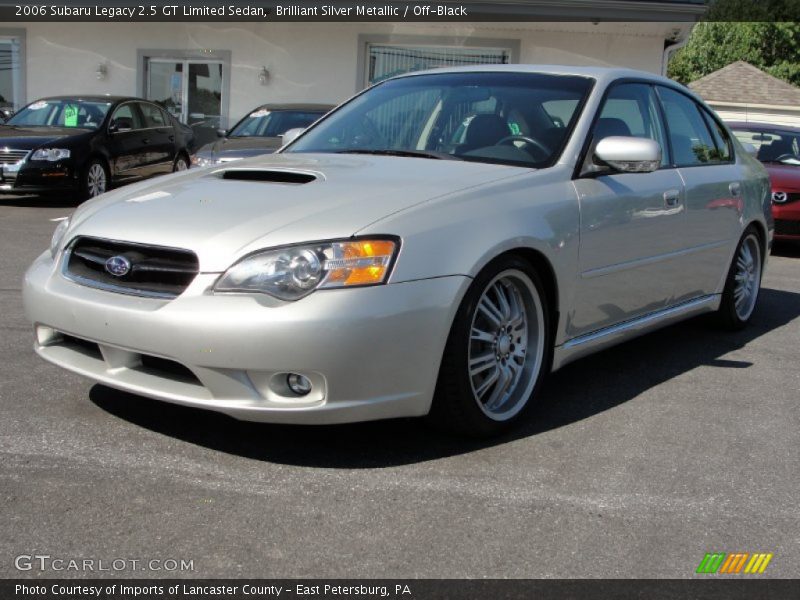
pixel 350 10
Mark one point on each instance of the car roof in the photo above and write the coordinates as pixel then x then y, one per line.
pixel 92 98
pixel 599 73
pixel 296 106
pixel 761 126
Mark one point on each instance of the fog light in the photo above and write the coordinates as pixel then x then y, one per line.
pixel 299 384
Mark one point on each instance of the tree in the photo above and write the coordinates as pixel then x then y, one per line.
pixel 723 38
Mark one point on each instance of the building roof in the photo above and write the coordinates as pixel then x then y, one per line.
pixel 742 83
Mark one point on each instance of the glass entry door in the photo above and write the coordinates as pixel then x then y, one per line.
pixel 191 90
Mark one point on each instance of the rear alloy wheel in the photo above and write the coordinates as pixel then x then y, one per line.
pixel 496 353
pixel 740 295
pixel 95 180
pixel 181 164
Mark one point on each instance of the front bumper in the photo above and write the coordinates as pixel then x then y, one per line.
pixel 371 353
pixel 787 220
pixel 38 177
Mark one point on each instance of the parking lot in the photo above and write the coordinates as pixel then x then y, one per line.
pixel 640 460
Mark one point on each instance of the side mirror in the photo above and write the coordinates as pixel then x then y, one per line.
pixel 291 135
pixel 750 149
pixel 629 154
pixel 221 133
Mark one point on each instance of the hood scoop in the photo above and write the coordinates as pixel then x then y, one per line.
pixel 269 176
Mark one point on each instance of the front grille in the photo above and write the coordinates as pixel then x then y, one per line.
pixel 786 227
pixel 11 157
pixel 155 271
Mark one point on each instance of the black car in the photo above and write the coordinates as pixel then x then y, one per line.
pixel 260 132
pixel 87 143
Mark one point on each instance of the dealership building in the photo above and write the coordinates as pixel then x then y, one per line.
pixel 212 73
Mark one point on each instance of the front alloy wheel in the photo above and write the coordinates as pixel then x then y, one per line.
pixel 496 353
pixel 96 180
pixel 502 363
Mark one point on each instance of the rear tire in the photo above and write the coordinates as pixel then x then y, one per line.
pixel 497 352
pixel 181 163
pixel 740 295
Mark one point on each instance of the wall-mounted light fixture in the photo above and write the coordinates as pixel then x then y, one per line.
pixel 263 76
pixel 101 71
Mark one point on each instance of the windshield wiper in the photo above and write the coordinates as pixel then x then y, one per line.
pixel 410 153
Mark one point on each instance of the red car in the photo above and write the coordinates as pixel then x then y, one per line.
pixel 779 149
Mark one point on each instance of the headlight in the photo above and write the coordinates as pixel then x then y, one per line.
pixel 51 154
pixel 296 271
pixel 202 161
pixel 58 236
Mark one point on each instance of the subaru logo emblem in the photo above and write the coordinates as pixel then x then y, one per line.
pixel 118 266
pixel 779 197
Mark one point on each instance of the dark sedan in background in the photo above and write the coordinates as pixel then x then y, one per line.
pixel 260 132
pixel 778 148
pixel 88 143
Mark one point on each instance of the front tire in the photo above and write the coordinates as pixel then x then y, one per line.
pixel 743 283
pixel 95 180
pixel 497 353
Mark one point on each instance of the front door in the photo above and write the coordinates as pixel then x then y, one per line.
pixel 191 90
pixel 631 223
pixel 128 148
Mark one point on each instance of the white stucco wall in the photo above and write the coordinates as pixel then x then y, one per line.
pixel 307 61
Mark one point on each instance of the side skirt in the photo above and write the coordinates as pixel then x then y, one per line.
pixel 621 332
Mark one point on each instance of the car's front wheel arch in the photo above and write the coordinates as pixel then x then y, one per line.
pixel 457 403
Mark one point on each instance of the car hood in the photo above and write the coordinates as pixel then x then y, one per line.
pixel 786 177
pixel 28 138
pixel 223 219
pixel 243 147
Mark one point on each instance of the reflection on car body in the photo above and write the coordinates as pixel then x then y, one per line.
pixel 434 246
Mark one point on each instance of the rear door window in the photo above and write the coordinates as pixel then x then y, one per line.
pixel 691 140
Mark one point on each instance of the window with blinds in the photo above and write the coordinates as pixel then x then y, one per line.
pixel 386 61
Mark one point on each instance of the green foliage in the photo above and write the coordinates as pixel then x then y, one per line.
pixel 743 30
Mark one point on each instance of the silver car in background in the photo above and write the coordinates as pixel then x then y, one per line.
pixel 434 246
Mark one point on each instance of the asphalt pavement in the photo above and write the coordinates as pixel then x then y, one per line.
pixel 638 461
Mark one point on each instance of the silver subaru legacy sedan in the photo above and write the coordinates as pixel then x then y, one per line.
pixel 434 246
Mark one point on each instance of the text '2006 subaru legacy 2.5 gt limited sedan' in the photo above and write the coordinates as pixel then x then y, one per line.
pixel 434 246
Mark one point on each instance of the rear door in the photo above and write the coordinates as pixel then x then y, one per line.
pixel 160 138
pixel 630 222
pixel 703 154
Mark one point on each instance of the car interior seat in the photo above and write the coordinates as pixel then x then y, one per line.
pixel 608 126
pixel 776 148
pixel 485 130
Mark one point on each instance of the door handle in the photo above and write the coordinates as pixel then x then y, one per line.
pixel 172 138
pixel 735 188
pixel 146 141
pixel 672 198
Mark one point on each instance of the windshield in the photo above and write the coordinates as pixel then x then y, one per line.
pixel 508 118
pixel 265 123
pixel 61 113
pixel 773 145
